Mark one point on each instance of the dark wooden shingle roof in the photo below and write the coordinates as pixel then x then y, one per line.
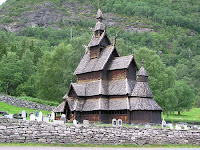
pixel 142 89
pixel 143 104
pixel 142 72
pixel 60 108
pixel 89 65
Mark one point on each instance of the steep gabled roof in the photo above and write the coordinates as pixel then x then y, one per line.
pixel 96 41
pixel 143 104
pixel 89 65
pixel 142 89
pixel 60 108
pixel 99 26
pixel 122 62
pixel 142 72
pixel 78 89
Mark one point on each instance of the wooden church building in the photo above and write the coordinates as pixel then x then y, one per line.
pixel 107 85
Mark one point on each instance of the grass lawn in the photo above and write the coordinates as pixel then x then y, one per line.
pixel 188 116
pixel 16 110
pixel 89 145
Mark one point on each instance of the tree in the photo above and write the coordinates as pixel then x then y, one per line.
pixel 161 78
pixel 10 73
pixel 185 96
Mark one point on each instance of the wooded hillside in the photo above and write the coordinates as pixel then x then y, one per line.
pixel 41 45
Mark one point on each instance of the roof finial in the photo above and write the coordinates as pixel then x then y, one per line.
pixel 142 62
pixel 71 80
pixel 114 39
pixel 99 4
pixel 132 52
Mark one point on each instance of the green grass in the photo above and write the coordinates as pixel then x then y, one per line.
pixel 89 145
pixel 16 110
pixel 40 101
pixel 192 116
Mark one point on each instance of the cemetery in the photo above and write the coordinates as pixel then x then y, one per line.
pixel 109 104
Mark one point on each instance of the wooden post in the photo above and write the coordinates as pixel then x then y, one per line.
pixel 129 116
pixel 100 118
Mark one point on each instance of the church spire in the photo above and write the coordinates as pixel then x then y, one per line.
pixel 99 15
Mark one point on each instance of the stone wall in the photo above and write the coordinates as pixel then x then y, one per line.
pixel 23 103
pixel 20 131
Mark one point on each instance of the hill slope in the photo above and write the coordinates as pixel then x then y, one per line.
pixel 38 55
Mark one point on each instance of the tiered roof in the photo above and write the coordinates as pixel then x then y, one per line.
pixel 106 94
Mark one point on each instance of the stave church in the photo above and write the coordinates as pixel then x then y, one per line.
pixel 108 85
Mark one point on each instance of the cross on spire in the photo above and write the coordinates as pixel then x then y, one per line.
pixel 99 4
pixel 114 39
pixel 142 62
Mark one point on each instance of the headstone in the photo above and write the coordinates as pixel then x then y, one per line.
pixel 119 122
pixel 147 126
pixel 75 122
pixel 40 116
pixel 32 117
pixel 86 123
pixel 60 122
pixel 46 119
pixel 195 127
pixel 185 127
pixel 163 123
pixel 170 126
pixel 10 116
pixel 23 114
pixel 63 117
pixel 178 127
pixel 114 122
pixel 52 116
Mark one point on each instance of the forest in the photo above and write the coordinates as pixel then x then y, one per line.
pixel 39 62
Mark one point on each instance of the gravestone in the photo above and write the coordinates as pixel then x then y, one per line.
pixel 147 126
pixel 170 126
pixel 60 122
pixel 119 122
pixel 32 117
pixel 52 116
pixel 185 127
pixel 40 116
pixel 86 123
pixel 163 123
pixel 178 127
pixel 10 116
pixel 63 117
pixel 24 115
pixel 114 122
pixel 75 122
pixel 46 119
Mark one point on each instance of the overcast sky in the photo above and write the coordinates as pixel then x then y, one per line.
pixel 2 1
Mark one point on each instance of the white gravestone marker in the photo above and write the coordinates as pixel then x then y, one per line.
pixel 119 122
pixel 185 127
pixel 24 115
pixel 32 117
pixel 170 126
pixel 114 122
pixel 163 123
pixel 46 119
pixel 40 116
pixel 178 127
pixel 60 122
pixel 52 116
pixel 86 123
pixel 75 122
pixel 63 117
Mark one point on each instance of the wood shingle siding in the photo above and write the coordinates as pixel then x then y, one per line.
pixel 107 86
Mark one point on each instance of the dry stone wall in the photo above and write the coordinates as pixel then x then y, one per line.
pixel 23 103
pixel 20 131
